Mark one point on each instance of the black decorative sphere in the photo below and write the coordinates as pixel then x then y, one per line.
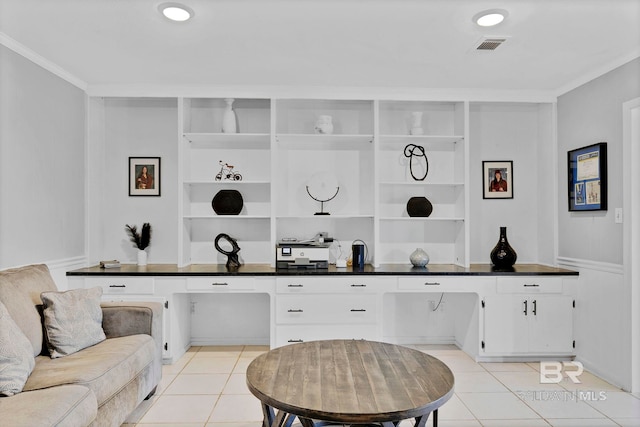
pixel 227 202
pixel 419 207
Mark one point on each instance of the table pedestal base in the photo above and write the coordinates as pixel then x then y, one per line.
pixel 282 419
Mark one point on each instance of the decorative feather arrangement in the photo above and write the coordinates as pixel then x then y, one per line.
pixel 140 240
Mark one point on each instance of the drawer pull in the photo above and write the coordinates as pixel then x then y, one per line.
pixel 298 340
pixel 294 285
pixel 219 284
pixel 432 283
pixel 358 286
pixel 358 310
pixel 533 285
pixel 117 286
pixel 295 310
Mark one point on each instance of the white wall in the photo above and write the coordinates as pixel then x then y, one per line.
pixel 42 165
pixel 589 114
pixel 521 133
pixel 591 241
pixel 132 128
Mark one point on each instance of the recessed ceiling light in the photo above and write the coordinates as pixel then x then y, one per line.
pixel 176 11
pixel 489 18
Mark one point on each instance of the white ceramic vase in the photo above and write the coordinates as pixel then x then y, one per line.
pixel 142 257
pixel 229 118
pixel 419 258
pixel 416 123
pixel 324 125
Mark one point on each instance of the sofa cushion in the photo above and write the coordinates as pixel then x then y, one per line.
pixel 72 320
pixel 105 368
pixel 16 355
pixel 65 406
pixel 20 290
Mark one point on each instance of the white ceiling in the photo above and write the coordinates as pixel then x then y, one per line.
pixel 348 43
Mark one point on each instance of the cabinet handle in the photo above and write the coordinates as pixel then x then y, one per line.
pixel 295 310
pixel 535 307
pixel 358 310
pixel 525 307
pixel 358 286
pixel 432 283
pixel 117 286
pixel 219 284
pixel 294 285
pixel 533 285
pixel 298 340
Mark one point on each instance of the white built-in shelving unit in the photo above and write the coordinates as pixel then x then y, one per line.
pixel 277 150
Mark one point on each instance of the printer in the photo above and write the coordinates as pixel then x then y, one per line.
pixel 302 256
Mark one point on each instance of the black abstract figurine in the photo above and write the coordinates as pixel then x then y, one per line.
pixel 232 256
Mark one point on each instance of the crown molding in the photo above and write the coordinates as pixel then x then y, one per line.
pixel 325 92
pixel 597 72
pixel 37 59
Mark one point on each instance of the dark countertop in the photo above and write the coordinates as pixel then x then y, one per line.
pixel 267 270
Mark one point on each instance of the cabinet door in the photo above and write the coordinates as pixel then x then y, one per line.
pixel 551 324
pixel 165 315
pixel 506 324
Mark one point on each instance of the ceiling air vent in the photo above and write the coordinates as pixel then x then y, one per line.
pixel 490 43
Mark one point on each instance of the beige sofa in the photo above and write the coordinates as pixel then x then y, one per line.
pixel 99 385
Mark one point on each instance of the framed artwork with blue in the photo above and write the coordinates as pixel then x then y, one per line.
pixel 587 167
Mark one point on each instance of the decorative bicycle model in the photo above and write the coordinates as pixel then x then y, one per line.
pixel 227 172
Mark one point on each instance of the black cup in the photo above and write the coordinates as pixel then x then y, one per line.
pixel 358 256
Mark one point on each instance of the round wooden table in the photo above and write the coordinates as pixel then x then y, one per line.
pixel 348 382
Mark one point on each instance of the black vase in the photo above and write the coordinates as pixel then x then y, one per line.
pixel 419 207
pixel 227 202
pixel 503 255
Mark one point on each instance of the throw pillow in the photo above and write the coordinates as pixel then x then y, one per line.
pixel 72 320
pixel 16 355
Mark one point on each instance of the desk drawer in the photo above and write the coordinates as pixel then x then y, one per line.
pixel 326 309
pixel 426 283
pixel 121 285
pixel 221 284
pixel 291 334
pixel 318 284
pixel 529 285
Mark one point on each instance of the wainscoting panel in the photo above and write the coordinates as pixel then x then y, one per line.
pixel 602 320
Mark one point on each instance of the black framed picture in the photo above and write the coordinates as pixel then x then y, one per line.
pixel 497 179
pixel 587 167
pixel 144 176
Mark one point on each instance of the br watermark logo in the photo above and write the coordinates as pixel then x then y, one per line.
pixel 552 372
pixel 555 373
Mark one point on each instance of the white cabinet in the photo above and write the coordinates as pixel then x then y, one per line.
pixel 346 156
pixel 277 151
pixel 312 308
pixel 444 233
pixel 528 316
pixel 127 288
pixel 204 148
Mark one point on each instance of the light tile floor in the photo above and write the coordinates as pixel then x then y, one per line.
pixel 206 388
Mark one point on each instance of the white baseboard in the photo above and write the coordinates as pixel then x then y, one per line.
pixel 591 367
pixel 419 340
pixel 229 341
